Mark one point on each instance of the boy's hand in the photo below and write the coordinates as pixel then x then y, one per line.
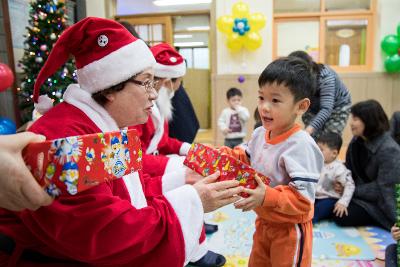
pixel 395 232
pixel 255 199
pixel 226 131
pixel 340 210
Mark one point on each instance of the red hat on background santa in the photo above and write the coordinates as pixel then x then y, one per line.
pixel 105 54
pixel 170 64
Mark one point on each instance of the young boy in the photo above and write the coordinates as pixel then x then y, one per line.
pixel 328 201
pixel 291 159
pixel 232 121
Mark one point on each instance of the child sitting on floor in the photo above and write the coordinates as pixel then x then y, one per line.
pixel 328 201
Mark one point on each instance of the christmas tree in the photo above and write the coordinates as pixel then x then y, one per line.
pixel 47 20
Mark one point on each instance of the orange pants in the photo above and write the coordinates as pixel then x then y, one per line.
pixel 281 245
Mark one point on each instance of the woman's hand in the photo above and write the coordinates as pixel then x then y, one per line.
pixel 214 195
pixel 18 188
pixel 192 177
pixel 310 130
pixel 255 199
pixel 340 210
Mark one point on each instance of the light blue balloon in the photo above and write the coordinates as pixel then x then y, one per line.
pixel 7 126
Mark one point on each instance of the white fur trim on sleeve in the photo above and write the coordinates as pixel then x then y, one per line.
pixel 173 180
pixel 184 149
pixel 189 210
pixel 174 163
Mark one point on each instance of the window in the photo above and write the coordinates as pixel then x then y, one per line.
pixel 335 32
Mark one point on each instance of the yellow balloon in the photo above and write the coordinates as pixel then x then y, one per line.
pixel 252 41
pixel 225 23
pixel 257 21
pixel 234 42
pixel 240 10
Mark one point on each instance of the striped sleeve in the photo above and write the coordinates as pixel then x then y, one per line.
pixel 327 88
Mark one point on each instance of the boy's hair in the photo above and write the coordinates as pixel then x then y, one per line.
pixel 371 113
pixel 293 73
pixel 233 92
pixel 332 140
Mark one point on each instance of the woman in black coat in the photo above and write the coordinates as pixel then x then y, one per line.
pixel 373 158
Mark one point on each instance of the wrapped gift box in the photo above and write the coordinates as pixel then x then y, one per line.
pixel 206 160
pixel 74 164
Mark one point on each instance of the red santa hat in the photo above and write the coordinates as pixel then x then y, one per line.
pixel 170 64
pixel 105 54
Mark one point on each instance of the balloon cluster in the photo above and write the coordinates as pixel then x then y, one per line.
pixel 391 46
pixel 241 28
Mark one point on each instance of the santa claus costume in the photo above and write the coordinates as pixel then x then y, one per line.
pixel 164 155
pixel 132 221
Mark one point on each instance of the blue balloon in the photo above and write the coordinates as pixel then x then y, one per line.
pixel 7 126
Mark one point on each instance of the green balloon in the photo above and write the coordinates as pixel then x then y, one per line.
pixel 390 44
pixel 392 63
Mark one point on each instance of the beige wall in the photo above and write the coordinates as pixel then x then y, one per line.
pixel 380 86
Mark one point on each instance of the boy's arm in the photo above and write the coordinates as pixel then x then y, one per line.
pixel 238 153
pixel 344 177
pixel 243 112
pixel 222 121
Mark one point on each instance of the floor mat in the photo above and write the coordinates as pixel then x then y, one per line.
pixel 339 243
pixel 377 238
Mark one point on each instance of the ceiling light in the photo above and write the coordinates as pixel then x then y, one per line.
pixel 182 36
pixel 180 2
pixel 198 28
pixel 189 44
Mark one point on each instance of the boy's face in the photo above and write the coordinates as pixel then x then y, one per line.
pixel 329 153
pixel 235 101
pixel 277 108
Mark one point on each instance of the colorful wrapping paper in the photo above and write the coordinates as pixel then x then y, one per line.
pixel 74 164
pixel 206 160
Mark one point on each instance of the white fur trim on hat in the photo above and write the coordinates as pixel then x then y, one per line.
pixel 116 67
pixel 170 71
pixel 44 104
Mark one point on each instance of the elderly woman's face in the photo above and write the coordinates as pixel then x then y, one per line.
pixel 132 105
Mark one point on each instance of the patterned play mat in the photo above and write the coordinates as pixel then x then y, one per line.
pixel 333 246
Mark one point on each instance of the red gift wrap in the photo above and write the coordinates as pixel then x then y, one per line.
pixel 206 160
pixel 74 164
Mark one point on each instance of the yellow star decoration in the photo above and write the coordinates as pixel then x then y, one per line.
pixel 241 28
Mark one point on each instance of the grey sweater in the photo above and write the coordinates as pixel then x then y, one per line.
pixel 375 184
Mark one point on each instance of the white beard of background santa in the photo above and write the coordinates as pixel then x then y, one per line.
pixel 164 102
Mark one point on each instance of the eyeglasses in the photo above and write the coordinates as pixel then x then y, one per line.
pixel 148 85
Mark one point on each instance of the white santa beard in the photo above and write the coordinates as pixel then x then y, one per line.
pixel 164 103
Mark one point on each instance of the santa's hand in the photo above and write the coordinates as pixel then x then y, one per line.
pixel 192 177
pixel 214 194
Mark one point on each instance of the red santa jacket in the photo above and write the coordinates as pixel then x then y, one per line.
pixel 107 224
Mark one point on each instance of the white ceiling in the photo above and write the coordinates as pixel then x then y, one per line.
pixel 133 7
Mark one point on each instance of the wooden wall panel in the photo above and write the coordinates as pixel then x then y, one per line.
pixel 380 86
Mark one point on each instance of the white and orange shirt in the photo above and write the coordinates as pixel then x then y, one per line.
pixel 293 162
